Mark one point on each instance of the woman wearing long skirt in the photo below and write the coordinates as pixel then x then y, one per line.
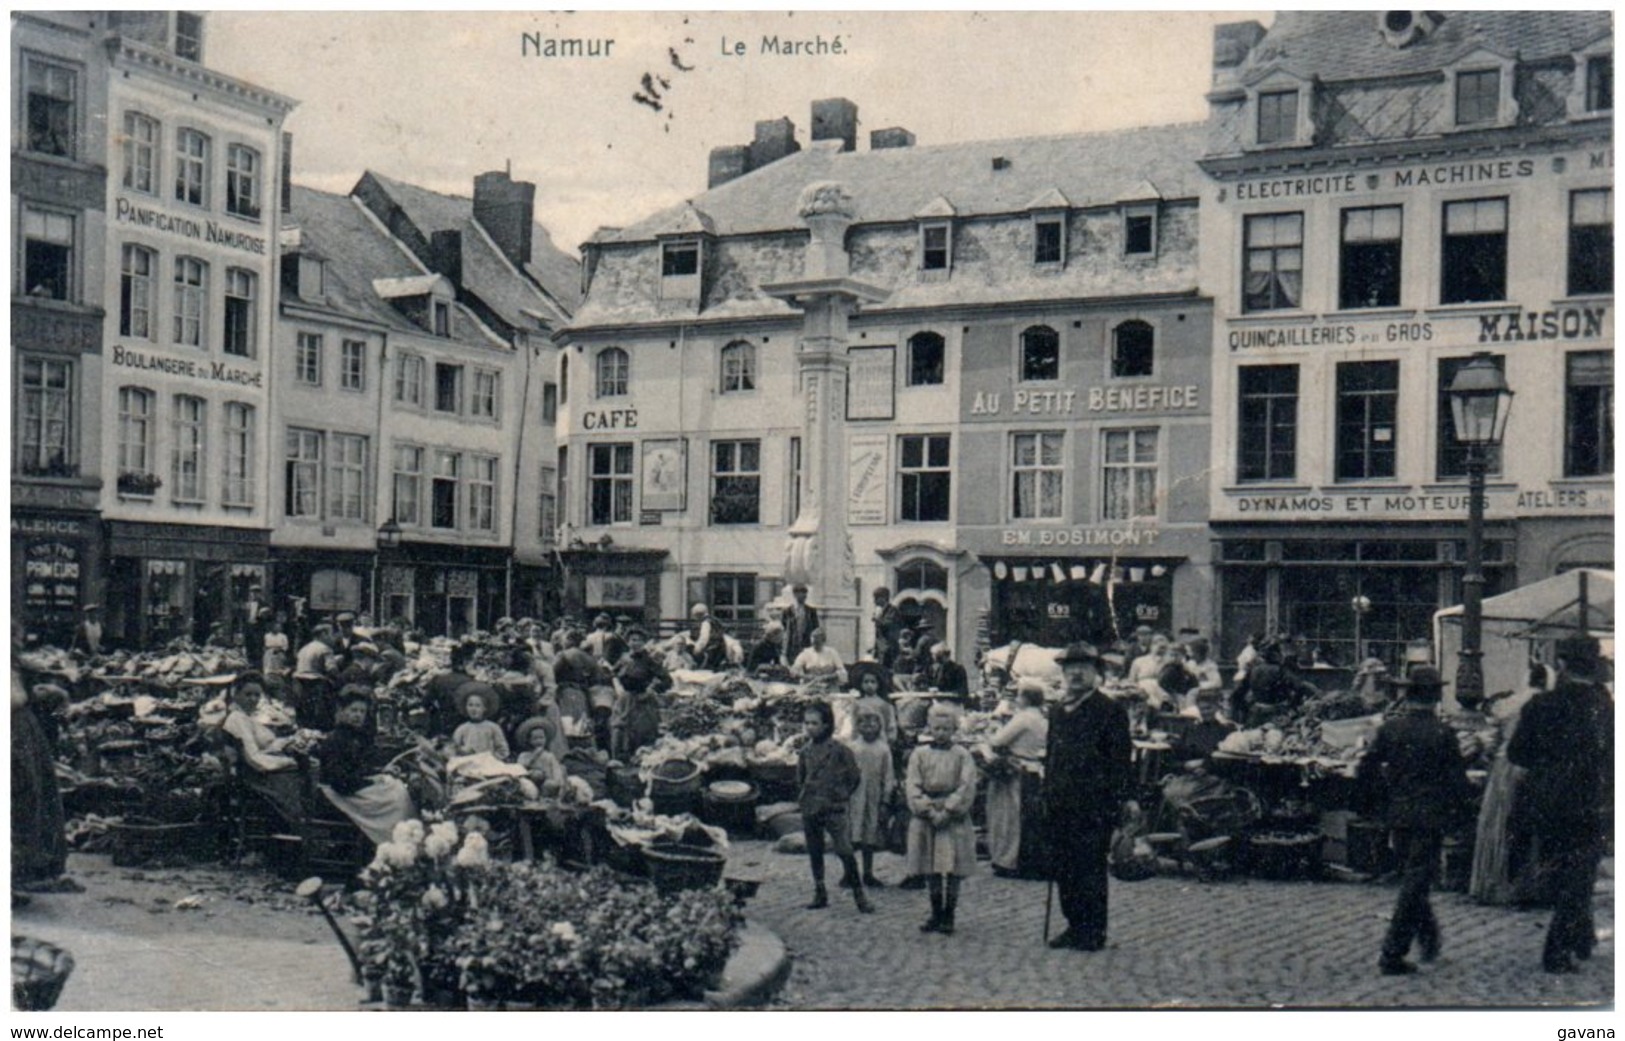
pixel 1019 750
pixel 941 787
pixel 876 782
pixel 1502 851
pixel 39 842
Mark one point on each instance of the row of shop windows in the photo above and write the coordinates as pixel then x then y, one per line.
pixel 1367 417
pixel 1473 253
pixel 1133 351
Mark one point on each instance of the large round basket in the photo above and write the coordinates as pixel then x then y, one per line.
pixel 675 777
pixel 677 867
pixel 39 971
pixel 1284 856
pixel 730 805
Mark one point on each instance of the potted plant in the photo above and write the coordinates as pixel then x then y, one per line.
pixel 137 482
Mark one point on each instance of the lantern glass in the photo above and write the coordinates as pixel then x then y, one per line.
pixel 1480 402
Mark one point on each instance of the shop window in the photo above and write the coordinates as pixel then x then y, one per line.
pixel 243 179
pixel 165 602
pixel 732 600
pixel 135 433
pixel 189 451
pixel 609 484
pixel 924 476
pixel 347 478
pixel 1478 96
pixel 935 248
pixel 448 388
pixel 406 500
pixel 48 239
pixel 1367 407
pixel 738 367
pixel 353 365
pixel 1369 265
pixel 51 104
pixel 1040 354
pixel 307 359
pixel 448 468
pixel 191 301
pixel 409 373
pixel 1267 434
pixel 927 356
pixel 1049 238
pixel 1129 474
pixel 302 468
pixel 238 486
pixel 547 513
pixel 141 153
pixel 332 589
pixel 239 328
pixel 1599 86
pixel 1452 454
pixel 613 368
pixel 1039 476
pixel 1277 117
pixel 45 418
pixel 135 318
pixel 1588 424
pixel 191 167
pixel 482 493
pixel 1133 349
pixel 1591 241
pixel 483 403
pixel 1475 251
pixel 736 482
pixel 1273 267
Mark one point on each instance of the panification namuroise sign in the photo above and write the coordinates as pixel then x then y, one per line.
pixel 200 229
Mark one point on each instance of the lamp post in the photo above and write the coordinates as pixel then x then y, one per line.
pixel 1480 402
pixel 389 536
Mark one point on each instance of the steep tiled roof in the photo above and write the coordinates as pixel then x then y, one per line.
pixel 896 184
pixel 1347 45
pixel 358 253
pixel 558 273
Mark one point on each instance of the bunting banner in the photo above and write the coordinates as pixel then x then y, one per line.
pixel 1096 572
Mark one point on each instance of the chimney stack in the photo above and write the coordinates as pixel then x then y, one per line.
pixel 835 119
pixel 1232 42
pixel 775 139
pixel 727 162
pixel 506 209
pixel 890 137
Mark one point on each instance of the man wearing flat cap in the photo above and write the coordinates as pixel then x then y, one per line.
pixel 1087 787
pixel 1565 739
pixel 799 621
pixel 1415 771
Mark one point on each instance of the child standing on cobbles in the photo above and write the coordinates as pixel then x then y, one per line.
pixel 876 782
pixel 828 775
pixel 941 786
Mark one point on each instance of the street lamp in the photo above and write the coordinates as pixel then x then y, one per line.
pixel 389 536
pixel 1480 402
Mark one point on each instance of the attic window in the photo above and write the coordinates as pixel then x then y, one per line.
pixel 1139 231
pixel 678 259
pixel 1000 163
pixel 1277 117
pixel 1599 77
pixel 312 278
pixel 442 318
pixel 1403 28
pixel 1481 92
pixel 1049 240
pixel 189 36
pixel 935 251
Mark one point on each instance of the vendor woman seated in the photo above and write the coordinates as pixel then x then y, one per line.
pixel 347 760
pixel 1202 738
pixel 267 769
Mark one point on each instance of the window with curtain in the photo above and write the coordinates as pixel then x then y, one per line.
pixel 140 153
pixel 1040 354
pixel 303 472
pixel 45 420
pixel 238 487
pixel 189 434
pixel 1038 476
pixel 1272 278
pixel 135 430
pixel 613 366
pixel 1129 474
pixel 408 486
pixel 738 367
pixel 347 478
pixel 191 300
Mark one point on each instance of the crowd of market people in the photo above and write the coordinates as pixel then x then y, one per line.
pixel 1058 768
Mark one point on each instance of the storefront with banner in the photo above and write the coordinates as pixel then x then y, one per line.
pixel 173 581
pixel 617 581
pixel 55 557
pixel 419 586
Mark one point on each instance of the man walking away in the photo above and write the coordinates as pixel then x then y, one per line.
pixel 1565 739
pixel 1415 768
pixel 1086 791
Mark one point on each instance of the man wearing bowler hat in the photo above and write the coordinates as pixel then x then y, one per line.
pixel 1415 770
pixel 1087 784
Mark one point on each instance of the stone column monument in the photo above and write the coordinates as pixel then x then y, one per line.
pixel 819 551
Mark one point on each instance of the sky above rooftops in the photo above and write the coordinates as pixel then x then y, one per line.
pixel 435 98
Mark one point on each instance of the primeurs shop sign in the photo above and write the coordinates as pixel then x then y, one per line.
pixel 204 230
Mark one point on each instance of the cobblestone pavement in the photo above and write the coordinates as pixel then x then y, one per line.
pixel 1173 942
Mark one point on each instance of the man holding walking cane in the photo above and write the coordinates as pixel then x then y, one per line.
pixel 1087 784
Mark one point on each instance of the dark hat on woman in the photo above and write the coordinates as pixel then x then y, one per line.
pixel 1079 651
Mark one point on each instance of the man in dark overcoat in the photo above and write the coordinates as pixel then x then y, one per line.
pixel 1565 739
pixel 799 621
pixel 1087 787
pixel 1415 770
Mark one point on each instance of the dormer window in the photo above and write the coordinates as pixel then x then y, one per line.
pixel 1277 117
pixel 189 36
pixel 442 318
pixel 1049 239
pixel 678 259
pixel 1139 231
pixel 936 249
pixel 1481 92
pixel 1599 80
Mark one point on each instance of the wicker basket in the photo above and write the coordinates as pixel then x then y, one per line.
pixel 1285 856
pixel 39 971
pixel 676 777
pixel 676 867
